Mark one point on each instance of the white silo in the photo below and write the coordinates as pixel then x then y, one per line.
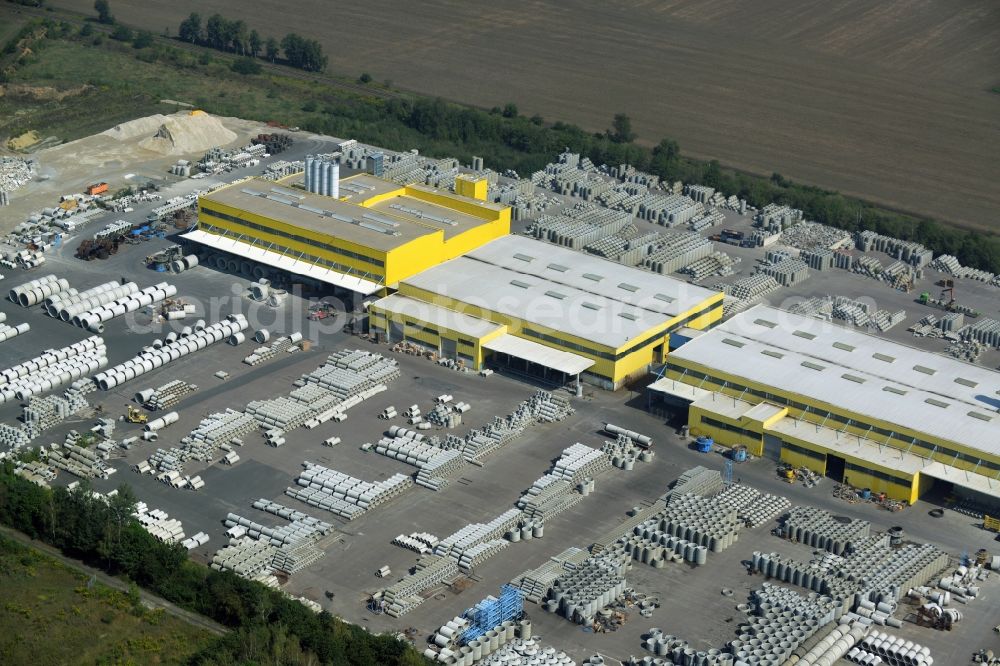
pixel 335 180
pixel 324 179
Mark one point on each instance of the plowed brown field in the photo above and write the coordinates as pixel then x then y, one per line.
pixel 884 99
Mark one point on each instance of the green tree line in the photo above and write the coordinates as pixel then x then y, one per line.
pixel 224 35
pixel 510 141
pixel 267 627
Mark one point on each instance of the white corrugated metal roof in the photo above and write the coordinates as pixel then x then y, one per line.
pixel 592 274
pixel 856 372
pixel 571 364
pixel 436 315
pixel 290 264
pixel 539 301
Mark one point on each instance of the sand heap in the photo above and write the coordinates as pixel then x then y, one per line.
pixel 177 134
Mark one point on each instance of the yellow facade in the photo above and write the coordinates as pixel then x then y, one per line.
pixel 612 365
pixel 468 346
pixel 896 483
pixel 474 187
pixel 339 253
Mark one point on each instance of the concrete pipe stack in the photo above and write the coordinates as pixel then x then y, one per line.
pixel 781 628
pixel 457 545
pixel 702 520
pixel 623 452
pixel 102 294
pixel 882 574
pixel 282 413
pixel 579 461
pixel 8 332
pixel 199 539
pixel 696 481
pixel 342 494
pixel 584 591
pixel 820 529
pixel 245 557
pixel 889 650
pixel 549 496
pixel 788 570
pixel 161 526
pixel 149 296
pixel 523 652
pixel 834 645
pixel 162 422
pixel 51 369
pixel 37 290
pixel 404 596
pixel 165 396
pixel 290 533
pixel 287 344
pixel 752 506
pixel 184 263
pixel 148 360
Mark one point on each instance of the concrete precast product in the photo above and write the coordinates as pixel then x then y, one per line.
pixel 199 325
pixel 15 293
pixel 162 422
pixel 172 315
pixel 262 336
pixel 94 298
pixel 190 261
pixel 237 339
pixel 173 350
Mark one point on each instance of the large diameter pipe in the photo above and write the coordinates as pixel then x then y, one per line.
pixel 162 422
pixel 15 293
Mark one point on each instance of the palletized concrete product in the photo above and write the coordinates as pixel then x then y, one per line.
pixel 434 464
pixel 245 557
pixel 535 583
pixel 404 596
pixel 584 590
pixel 752 506
pixel 344 495
pixel 475 542
pixel 819 529
pixel 165 396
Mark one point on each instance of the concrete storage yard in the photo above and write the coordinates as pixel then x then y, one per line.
pixel 692 603
pixel 343 579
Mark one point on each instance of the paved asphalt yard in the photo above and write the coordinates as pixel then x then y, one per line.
pixel 692 604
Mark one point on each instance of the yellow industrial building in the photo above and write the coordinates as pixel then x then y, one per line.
pixel 545 310
pixel 855 407
pixel 373 235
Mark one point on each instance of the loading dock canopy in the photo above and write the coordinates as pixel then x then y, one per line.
pixel 571 364
pixel 964 479
pixel 284 262
pixel 675 389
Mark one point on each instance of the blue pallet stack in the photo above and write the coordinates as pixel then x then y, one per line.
pixel 491 612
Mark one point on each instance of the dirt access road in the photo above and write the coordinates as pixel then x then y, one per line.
pixel 884 99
